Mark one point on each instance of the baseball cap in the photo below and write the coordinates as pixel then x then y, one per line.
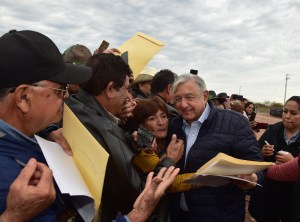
pixel 28 57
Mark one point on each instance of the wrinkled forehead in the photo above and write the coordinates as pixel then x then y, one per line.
pixel 188 87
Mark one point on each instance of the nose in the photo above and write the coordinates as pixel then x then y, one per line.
pixel 134 102
pixel 183 103
pixel 130 100
pixel 287 114
pixel 160 121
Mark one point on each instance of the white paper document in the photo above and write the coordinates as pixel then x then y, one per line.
pixel 68 178
pixel 223 168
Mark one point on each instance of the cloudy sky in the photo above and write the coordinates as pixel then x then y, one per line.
pixel 244 47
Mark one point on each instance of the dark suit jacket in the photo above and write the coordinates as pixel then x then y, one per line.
pixel 223 131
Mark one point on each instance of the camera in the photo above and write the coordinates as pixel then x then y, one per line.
pixel 194 71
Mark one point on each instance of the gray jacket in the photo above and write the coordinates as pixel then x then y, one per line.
pixel 122 182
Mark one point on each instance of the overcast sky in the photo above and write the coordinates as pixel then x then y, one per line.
pixel 244 47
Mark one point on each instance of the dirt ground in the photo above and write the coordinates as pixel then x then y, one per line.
pixel 263 118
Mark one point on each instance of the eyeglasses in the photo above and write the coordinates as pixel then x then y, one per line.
pixel 60 92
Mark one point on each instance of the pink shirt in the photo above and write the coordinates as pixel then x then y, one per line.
pixel 285 172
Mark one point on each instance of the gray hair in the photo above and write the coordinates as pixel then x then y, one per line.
pixel 187 77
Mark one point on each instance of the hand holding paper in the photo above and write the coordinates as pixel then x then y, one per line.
pixel 80 175
pixel 221 168
pixel 250 181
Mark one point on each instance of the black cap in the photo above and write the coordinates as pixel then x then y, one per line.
pixel 28 57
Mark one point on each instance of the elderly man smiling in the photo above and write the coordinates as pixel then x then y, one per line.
pixel 208 131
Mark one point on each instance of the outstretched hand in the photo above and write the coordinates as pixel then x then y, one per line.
pixel 155 188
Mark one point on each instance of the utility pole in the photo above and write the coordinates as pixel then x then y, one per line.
pixel 286 79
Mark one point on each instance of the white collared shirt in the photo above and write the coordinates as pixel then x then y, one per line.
pixel 192 130
pixel 191 133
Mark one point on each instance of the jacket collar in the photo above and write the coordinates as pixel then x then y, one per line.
pixel 5 128
pixel 90 101
pixel 19 149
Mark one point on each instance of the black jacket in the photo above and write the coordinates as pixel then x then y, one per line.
pixel 273 203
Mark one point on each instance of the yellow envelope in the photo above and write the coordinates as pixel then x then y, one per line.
pixel 141 48
pixel 89 156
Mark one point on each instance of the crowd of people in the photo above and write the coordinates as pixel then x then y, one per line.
pixel 186 125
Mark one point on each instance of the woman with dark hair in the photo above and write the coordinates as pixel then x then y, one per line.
pixel 280 143
pixel 250 109
pixel 152 114
pixel 251 114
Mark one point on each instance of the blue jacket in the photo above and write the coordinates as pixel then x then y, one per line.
pixel 223 131
pixel 17 147
pixel 10 150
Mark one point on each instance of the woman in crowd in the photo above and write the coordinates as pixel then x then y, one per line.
pixel 152 115
pixel 280 143
pixel 251 114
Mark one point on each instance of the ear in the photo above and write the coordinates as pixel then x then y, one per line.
pixel 140 86
pixel 110 90
pixel 23 98
pixel 205 95
pixel 166 92
pixel 169 89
